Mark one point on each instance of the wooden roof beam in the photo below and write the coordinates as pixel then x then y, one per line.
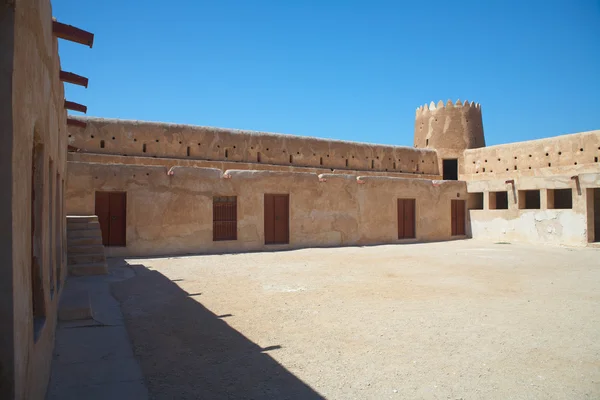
pixel 75 79
pixel 69 32
pixel 71 105
pixel 76 122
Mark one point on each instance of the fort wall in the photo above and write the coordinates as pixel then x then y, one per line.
pixel 546 221
pixel 578 152
pixel 32 197
pixel 173 214
pixel 225 165
pixel 148 139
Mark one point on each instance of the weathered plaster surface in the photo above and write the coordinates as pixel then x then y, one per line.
pixel 577 153
pixel 544 225
pixel 449 126
pixel 173 214
pixel 218 144
pixel 225 165
pixel 37 108
pixel 532 226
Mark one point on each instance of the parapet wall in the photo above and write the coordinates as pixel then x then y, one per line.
pixel 172 214
pixel 579 153
pixel 135 138
pixel 225 165
pixel 449 126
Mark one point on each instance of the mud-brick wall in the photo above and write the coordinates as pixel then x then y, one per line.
pixel 579 152
pixel 137 138
pixel 33 117
pixel 544 224
pixel 173 214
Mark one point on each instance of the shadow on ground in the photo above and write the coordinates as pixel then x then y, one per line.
pixel 187 352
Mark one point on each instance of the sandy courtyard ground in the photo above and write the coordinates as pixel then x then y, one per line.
pixel 451 320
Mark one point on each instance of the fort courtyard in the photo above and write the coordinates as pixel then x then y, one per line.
pixel 216 258
pixel 449 320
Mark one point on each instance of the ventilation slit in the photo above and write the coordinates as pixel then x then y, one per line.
pixel 102 144
pixel 346 163
pixel 226 153
pixel 258 157
pixel 320 160
pixel 144 148
pixel 188 151
pixel 372 164
pixel 291 159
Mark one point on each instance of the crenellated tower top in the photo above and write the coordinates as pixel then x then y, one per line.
pixel 449 126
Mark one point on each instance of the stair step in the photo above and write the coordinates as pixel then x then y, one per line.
pixel 85 258
pixel 82 218
pixel 74 305
pixel 88 248
pixel 84 233
pixel 98 268
pixel 78 226
pixel 83 240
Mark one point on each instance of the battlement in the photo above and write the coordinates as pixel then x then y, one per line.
pixel 449 126
pixel 432 107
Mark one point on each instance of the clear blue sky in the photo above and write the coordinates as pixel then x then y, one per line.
pixel 343 69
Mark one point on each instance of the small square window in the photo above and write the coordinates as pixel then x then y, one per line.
pixel 560 199
pixel 475 201
pixel 498 200
pixel 529 199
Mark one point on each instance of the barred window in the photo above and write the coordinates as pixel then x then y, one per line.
pixel 224 218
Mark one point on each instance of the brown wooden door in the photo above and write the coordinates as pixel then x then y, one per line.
pixel 111 209
pixel 276 218
pixel 103 213
pixel 406 219
pixel 458 217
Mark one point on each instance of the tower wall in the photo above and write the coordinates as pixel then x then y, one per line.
pixel 449 126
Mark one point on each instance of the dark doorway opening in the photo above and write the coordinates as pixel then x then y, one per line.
pixel 111 209
pixel 277 221
pixel 450 169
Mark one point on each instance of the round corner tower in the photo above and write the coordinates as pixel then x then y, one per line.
pixel 449 126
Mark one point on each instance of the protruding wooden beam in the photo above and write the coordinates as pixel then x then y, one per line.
pixel 75 79
pixel 69 32
pixel 76 122
pixel 71 105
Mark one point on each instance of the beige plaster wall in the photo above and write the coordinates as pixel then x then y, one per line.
pixel 576 153
pixel 544 225
pixel 217 144
pixel 173 214
pixel 38 117
pixel 225 165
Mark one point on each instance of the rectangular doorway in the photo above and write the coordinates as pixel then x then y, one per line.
pixel 277 219
pixel 406 219
pixel 111 209
pixel 450 169
pixel 458 217
pixel 596 212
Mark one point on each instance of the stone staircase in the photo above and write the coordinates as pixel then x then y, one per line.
pixel 85 251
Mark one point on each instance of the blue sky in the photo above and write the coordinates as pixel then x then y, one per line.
pixel 352 70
